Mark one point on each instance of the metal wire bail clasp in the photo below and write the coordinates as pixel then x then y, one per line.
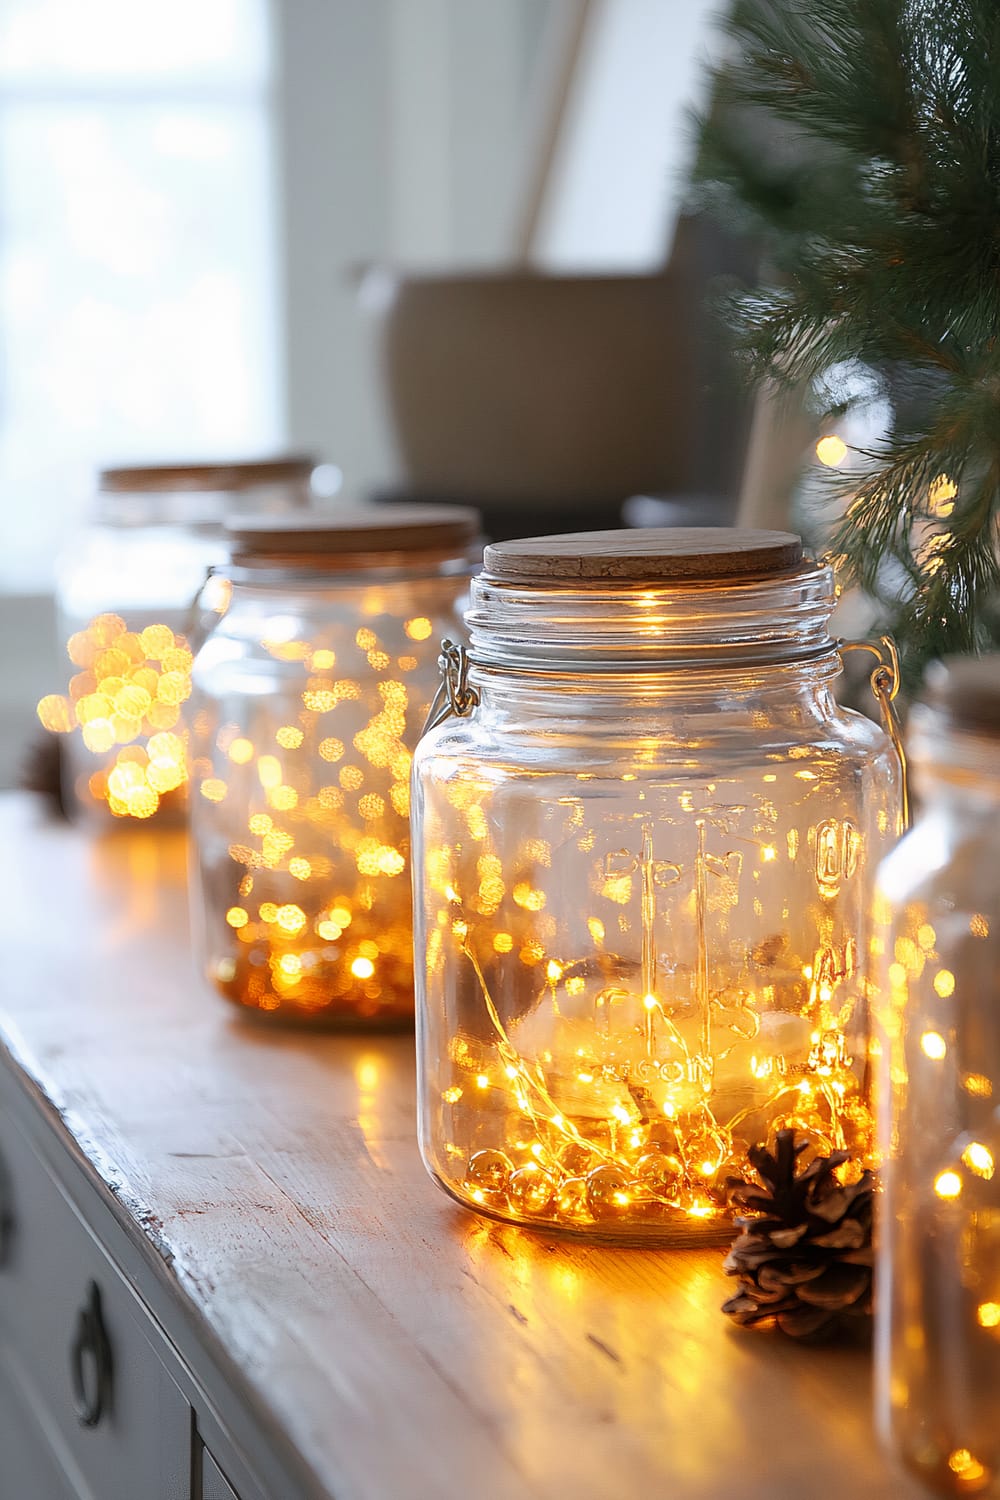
pixel 884 683
pixel 455 696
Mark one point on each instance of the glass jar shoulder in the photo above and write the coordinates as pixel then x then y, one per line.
pixel 106 569
pixel 948 858
pixel 666 742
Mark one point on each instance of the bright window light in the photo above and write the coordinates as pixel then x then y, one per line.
pixel 138 285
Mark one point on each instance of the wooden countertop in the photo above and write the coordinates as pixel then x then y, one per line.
pixel 400 1347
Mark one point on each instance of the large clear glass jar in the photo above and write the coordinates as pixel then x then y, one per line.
pixel 309 695
pixel 938 946
pixel 124 598
pixel 642 878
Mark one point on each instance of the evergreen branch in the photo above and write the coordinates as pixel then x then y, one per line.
pixel 861 139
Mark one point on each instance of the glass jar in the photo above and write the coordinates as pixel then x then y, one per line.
pixel 938 946
pixel 124 597
pixel 309 695
pixel 642 880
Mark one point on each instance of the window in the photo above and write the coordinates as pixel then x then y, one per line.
pixel 138 284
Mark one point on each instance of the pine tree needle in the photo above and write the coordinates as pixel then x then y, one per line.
pixel 861 139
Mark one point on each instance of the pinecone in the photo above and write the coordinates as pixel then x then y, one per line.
pixel 804 1253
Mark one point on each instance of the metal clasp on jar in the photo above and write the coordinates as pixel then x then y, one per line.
pixel 884 683
pixel 455 696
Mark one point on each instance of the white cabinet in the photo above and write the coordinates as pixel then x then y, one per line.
pixel 91 1405
pixel 29 1465
pixel 214 1484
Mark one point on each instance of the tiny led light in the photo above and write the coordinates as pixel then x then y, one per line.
pixel 933 1045
pixel 979 1159
pixel 967 1468
pixel 831 451
pixel 948 1185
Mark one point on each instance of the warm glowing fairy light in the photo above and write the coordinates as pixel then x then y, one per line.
pixel 933 1045
pixel 979 1159
pixel 988 1314
pixel 967 1468
pixel 128 694
pixel 978 1085
pixel 621 1136
pixel 290 918
pixel 948 1185
pixel 831 451
pixel 419 629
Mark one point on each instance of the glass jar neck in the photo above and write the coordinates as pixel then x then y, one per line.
pixel 612 628
pixel 316 574
pixel 195 509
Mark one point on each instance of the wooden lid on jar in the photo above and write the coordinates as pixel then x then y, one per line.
pixel 321 539
pixel 660 554
pixel 143 478
pixel 964 692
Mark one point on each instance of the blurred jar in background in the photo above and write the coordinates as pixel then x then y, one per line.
pixel 309 695
pixel 937 942
pixel 124 598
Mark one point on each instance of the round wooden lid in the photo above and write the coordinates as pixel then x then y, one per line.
pixel 660 554
pixel 288 469
pixel 965 692
pixel 322 537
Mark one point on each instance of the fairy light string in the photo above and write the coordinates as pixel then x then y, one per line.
pixel 647 1156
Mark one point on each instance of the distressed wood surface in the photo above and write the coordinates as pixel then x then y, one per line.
pixel 403 1347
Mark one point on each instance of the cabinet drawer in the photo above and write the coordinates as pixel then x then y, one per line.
pixel 214 1484
pixel 85 1351
pixel 28 1467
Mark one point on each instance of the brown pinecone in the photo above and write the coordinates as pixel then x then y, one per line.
pixel 804 1252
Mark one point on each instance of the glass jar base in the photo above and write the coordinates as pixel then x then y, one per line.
pixel 331 1017
pixel 680 1232
pixel 959 1472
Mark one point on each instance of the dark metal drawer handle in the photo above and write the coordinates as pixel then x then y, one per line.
pixel 90 1347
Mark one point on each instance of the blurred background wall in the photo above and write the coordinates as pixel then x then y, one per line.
pixel 190 195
